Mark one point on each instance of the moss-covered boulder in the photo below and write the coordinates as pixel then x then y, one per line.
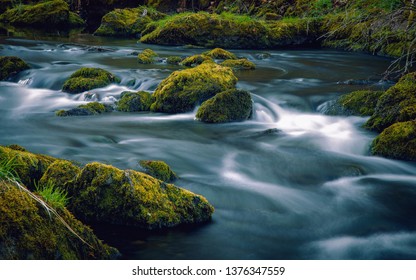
pixel 134 101
pixel 158 169
pixel 239 64
pixel 397 141
pixel 358 103
pixel 185 89
pixel 103 193
pixel 48 14
pixel 209 30
pixel 10 66
pixel 147 56
pixel 128 22
pixel 397 104
pixel 88 78
pixel 91 108
pixel 29 231
pixel 227 106
pixel 173 60
pixel 60 173
pixel 219 53
pixel 195 60
pixel 28 167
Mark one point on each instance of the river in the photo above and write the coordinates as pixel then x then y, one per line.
pixel 291 183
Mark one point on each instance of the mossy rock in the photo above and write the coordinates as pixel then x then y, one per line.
pixel 88 78
pixel 208 30
pixel 196 60
pixel 134 101
pixel 103 193
pixel 358 103
pixel 28 231
pixel 183 90
pixel 61 173
pixel 91 108
pixel 174 60
pixel 147 56
pixel 397 141
pixel 219 53
pixel 227 106
pixel 29 167
pixel 397 104
pixel 47 14
pixel 239 64
pixel 158 169
pixel 10 66
pixel 129 22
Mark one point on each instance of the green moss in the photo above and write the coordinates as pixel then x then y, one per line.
pixel 134 101
pixel 158 169
pixel 128 22
pixel 239 64
pixel 397 141
pixel 29 167
pixel 91 108
pixel 397 104
pixel 10 66
pixel 359 103
pixel 54 13
pixel 174 60
pixel 219 53
pixel 28 231
pixel 185 89
pixel 16 147
pixel 88 78
pixel 147 56
pixel 60 173
pixel 227 106
pixel 195 60
pixel 104 193
pixel 204 29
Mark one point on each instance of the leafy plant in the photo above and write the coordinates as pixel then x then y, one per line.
pixel 54 196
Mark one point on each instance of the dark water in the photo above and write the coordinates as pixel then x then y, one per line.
pixel 289 184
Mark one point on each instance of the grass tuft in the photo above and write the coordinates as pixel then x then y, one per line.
pixel 54 196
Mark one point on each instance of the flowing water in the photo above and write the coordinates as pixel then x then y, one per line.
pixel 291 183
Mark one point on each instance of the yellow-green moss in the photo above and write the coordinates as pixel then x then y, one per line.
pixel 88 78
pixel 239 64
pixel 227 106
pixel 183 90
pixel 91 108
pixel 195 60
pixel 60 173
pixel 28 231
pixel 134 101
pixel 359 103
pixel 128 22
pixel 147 56
pixel 219 53
pixel 397 104
pixel 158 169
pixel 397 141
pixel 10 66
pixel 29 167
pixel 174 60
pixel 53 13
pixel 104 193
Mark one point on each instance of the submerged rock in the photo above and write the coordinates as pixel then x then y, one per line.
pixel 91 108
pixel 47 14
pixel 128 22
pixel 185 89
pixel 359 103
pixel 158 169
pixel 397 104
pixel 10 66
pixel 88 78
pixel 227 106
pixel 239 64
pixel 397 141
pixel 134 101
pixel 29 231
pixel 103 193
